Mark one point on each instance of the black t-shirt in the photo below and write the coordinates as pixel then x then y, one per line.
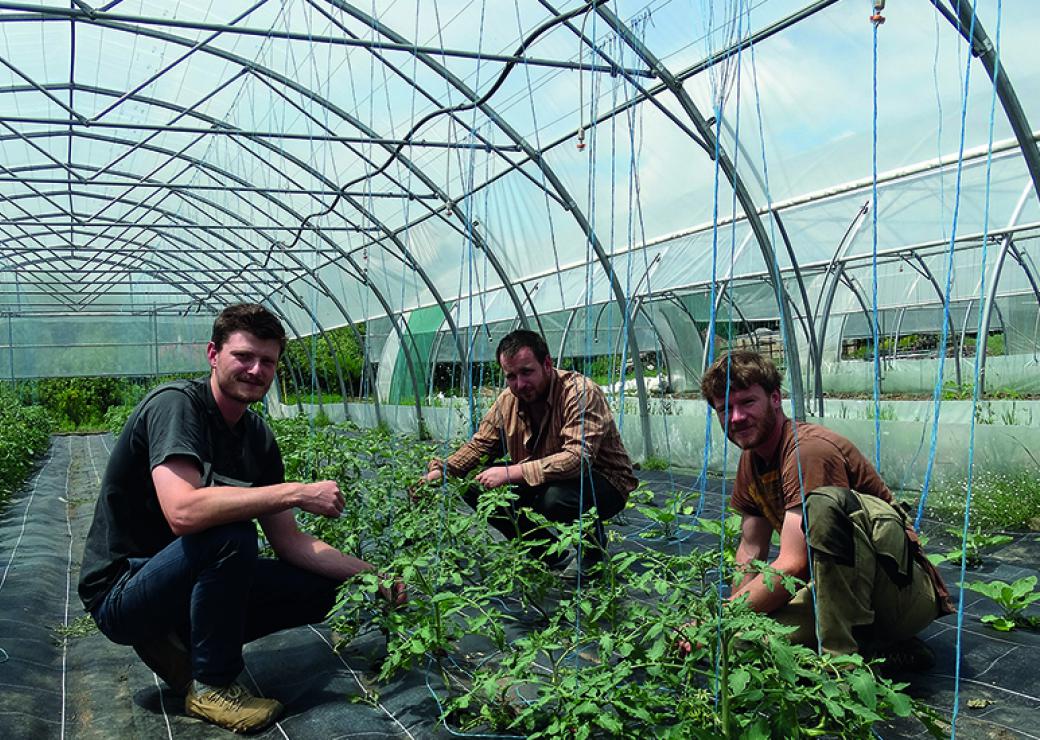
pixel 179 419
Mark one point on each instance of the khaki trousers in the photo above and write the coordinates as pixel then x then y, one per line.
pixel 870 591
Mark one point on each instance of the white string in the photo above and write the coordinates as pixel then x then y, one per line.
pixel 68 592
pixel 361 685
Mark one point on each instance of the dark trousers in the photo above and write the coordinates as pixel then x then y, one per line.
pixel 213 590
pixel 558 501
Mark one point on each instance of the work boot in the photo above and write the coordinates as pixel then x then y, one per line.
pixel 169 659
pixel 231 707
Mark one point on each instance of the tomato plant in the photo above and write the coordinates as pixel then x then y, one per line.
pixel 521 651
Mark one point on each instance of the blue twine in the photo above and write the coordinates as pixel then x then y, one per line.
pixel 980 347
pixel 874 329
pixel 944 335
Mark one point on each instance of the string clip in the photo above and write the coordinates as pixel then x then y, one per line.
pixel 877 19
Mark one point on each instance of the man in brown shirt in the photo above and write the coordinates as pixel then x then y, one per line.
pixel 552 437
pixel 873 587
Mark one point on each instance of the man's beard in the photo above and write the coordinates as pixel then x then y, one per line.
pixel 763 428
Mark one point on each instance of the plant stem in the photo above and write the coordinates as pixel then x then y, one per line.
pixel 724 689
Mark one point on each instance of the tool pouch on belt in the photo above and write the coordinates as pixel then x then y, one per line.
pixel 942 594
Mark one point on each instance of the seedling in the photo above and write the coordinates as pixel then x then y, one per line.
pixel 974 544
pixel 1013 598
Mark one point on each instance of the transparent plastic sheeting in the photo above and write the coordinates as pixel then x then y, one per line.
pixel 678 427
pixel 1019 374
pixel 255 152
pixel 531 233
pixel 37 346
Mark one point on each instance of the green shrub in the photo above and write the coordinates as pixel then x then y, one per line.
pixel 80 404
pixel 117 416
pixel 313 361
pixel 24 434
pixel 654 462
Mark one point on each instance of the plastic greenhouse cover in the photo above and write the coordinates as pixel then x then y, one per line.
pixel 262 117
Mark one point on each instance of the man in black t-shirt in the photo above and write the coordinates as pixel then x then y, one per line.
pixel 171 563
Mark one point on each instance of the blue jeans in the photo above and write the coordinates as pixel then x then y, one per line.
pixel 217 594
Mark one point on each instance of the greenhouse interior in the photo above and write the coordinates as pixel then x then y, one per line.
pixel 848 190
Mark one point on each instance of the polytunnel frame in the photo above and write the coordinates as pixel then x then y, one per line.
pixel 154 208
pixel 979 44
pixel 369 21
pixel 248 66
pixel 185 193
pixel 252 67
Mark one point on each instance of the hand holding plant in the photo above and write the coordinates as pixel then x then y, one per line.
pixel 393 591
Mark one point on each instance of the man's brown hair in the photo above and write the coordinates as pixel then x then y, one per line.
pixel 249 317
pixel 745 369
pixel 515 341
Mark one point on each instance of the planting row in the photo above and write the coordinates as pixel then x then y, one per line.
pixel 514 649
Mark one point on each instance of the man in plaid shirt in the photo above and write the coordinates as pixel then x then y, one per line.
pixel 552 438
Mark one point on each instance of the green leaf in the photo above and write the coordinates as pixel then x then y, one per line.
pixel 1001 624
pixel 609 723
pixel 901 704
pixel 863 684
pixel 739 678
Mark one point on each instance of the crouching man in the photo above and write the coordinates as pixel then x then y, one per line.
pixel 171 563
pixel 565 454
pixel 874 588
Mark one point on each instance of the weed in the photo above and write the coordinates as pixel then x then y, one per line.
pixel 1009 415
pixel 999 501
pixel 1013 598
pixel 974 543
pixel 885 413
pixel 83 626
pixel 654 462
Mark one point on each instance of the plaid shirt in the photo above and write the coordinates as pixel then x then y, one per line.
pixel 577 428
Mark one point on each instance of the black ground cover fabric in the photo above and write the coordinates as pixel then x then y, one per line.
pixel 57 683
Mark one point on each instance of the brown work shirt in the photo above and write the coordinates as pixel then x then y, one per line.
pixel 770 487
pixel 577 426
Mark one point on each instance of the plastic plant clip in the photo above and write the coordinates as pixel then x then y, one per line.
pixel 877 19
